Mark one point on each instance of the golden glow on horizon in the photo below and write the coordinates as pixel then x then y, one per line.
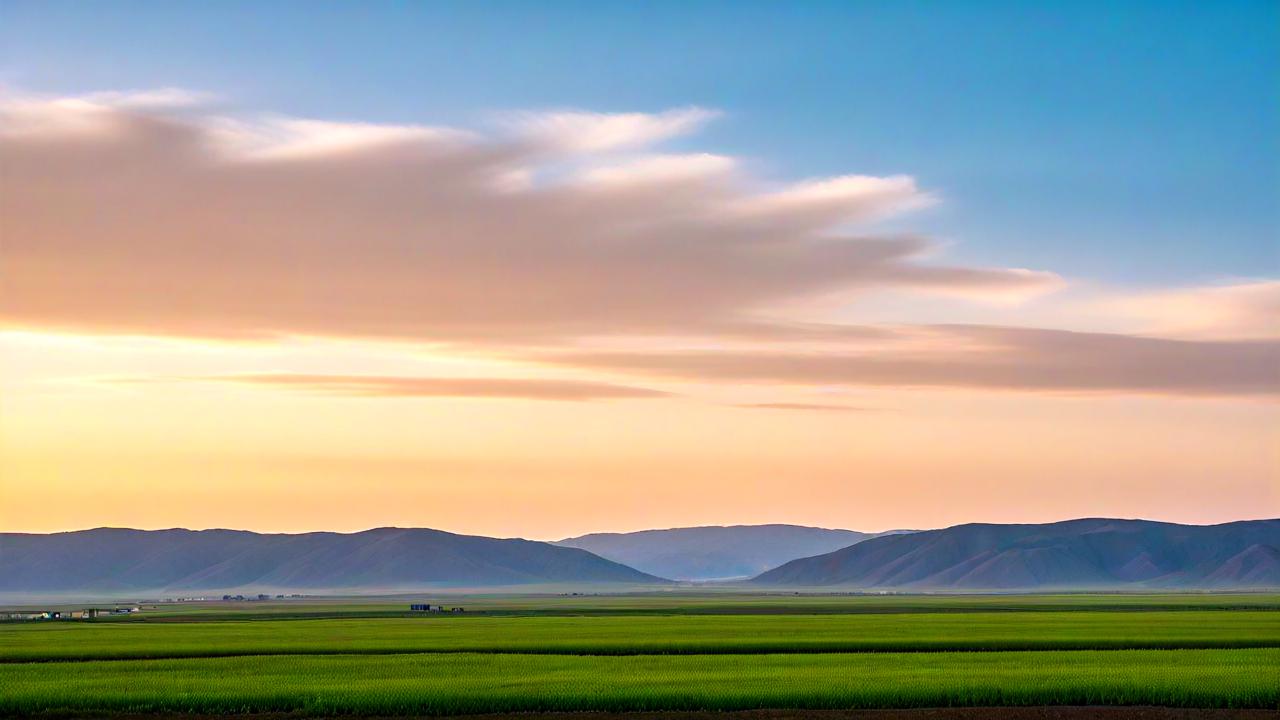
pixel 81 450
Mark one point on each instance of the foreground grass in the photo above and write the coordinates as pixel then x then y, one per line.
pixel 621 635
pixel 467 683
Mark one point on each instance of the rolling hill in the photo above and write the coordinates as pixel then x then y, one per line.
pixel 714 552
pixel 116 559
pixel 1082 554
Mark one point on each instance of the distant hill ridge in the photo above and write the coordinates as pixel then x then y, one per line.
pixel 117 559
pixel 1085 554
pixel 1090 553
pixel 714 552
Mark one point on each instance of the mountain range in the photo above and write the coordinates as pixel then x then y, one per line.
pixel 714 552
pixel 1087 554
pixel 1092 553
pixel 116 559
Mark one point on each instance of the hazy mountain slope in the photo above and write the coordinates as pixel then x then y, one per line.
pixel 714 552
pixel 112 559
pixel 1088 553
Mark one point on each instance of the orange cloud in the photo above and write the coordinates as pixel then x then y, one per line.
pixel 820 407
pixel 435 387
pixel 975 356
pixel 153 218
pixel 1229 311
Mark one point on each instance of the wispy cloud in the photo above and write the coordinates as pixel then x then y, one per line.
pixel 817 407
pixel 135 220
pixel 987 357
pixel 382 386
pixel 591 132
pixel 156 99
pixel 1227 311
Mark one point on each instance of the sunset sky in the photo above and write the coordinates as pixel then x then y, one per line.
pixel 541 269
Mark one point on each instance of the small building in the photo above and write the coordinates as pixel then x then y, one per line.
pixel 426 607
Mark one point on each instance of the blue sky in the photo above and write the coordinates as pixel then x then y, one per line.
pixel 1123 143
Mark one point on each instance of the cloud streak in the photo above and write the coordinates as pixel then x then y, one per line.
pixel 124 218
pixel 987 357
pixel 817 407
pixel 383 386
pixel 586 132
pixel 1220 312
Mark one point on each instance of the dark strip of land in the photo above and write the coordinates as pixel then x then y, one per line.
pixel 1040 712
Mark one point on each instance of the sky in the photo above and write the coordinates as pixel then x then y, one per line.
pixel 542 269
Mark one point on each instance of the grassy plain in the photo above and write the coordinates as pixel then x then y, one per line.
pixel 652 652
pixel 648 634
pixel 486 682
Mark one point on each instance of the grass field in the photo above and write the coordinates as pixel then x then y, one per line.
pixel 531 654
pixel 650 634
pixel 432 683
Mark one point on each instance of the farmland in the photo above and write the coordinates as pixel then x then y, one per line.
pixel 690 652
pixel 651 634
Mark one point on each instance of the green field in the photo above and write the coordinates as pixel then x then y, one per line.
pixel 650 634
pixel 433 683
pixel 653 653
